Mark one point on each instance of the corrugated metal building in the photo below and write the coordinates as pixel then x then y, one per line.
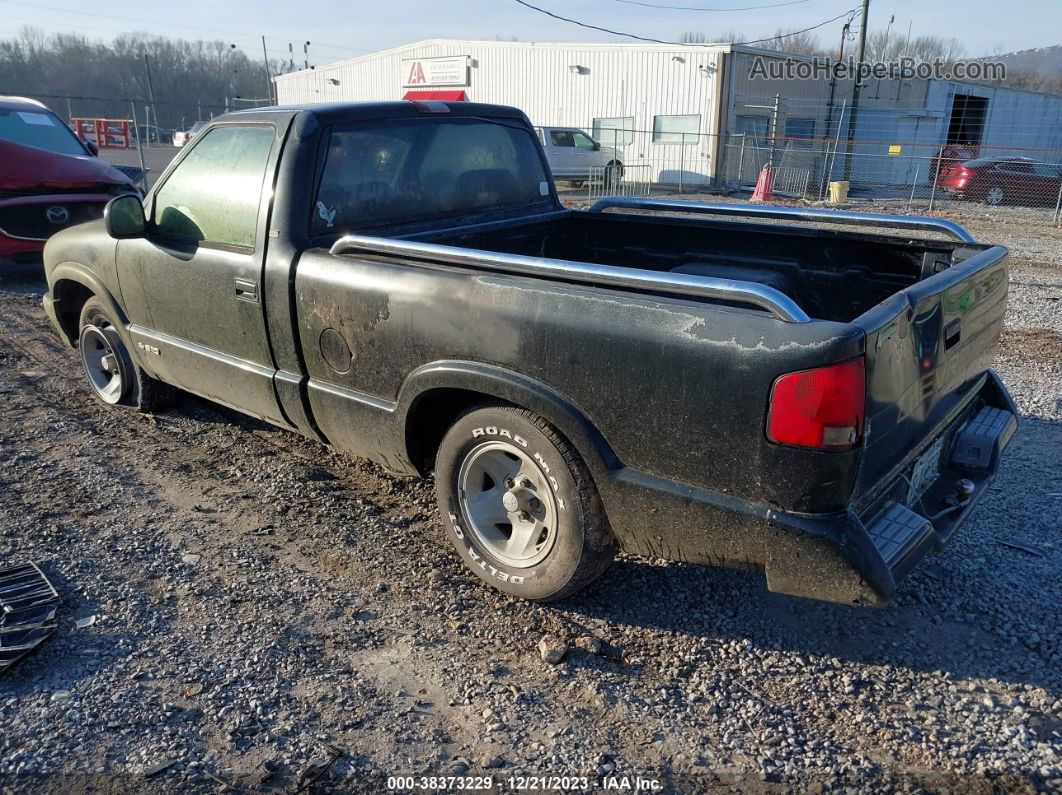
pixel 659 96
pixel 697 113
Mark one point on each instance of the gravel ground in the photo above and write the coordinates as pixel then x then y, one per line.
pixel 259 599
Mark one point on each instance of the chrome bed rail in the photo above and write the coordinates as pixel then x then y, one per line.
pixel 777 303
pixel 787 214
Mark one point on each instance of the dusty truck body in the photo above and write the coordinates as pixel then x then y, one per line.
pixel 707 383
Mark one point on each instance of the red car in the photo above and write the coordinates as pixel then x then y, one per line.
pixel 49 180
pixel 1002 180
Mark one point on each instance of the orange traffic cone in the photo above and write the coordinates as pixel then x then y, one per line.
pixel 764 186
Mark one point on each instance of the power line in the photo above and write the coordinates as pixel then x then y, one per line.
pixel 677 43
pixel 705 8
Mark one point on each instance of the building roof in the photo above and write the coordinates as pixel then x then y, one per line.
pixel 543 45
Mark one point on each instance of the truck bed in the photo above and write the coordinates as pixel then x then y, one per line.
pixel 830 274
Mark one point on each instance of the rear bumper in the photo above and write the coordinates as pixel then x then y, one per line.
pixel 952 192
pixel 843 557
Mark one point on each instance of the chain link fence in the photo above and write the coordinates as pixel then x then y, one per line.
pixel 918 176
pixel 887 163
pixel 904 176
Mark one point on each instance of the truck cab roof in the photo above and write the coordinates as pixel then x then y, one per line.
pixel 337 112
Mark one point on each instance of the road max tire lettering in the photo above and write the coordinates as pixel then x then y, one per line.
pixel 494 430
pixel 479 561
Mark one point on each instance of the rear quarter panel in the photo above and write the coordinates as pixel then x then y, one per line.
pixel 678 389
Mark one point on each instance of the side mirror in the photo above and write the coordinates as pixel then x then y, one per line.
pixel 597 146
pixel 93 149
pixel 124 217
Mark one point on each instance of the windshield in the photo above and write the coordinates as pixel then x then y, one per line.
pixel 39 128
pixel 401 171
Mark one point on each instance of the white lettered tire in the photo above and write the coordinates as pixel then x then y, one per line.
pixel 520 506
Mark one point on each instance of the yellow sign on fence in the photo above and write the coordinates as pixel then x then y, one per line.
pixel 895 149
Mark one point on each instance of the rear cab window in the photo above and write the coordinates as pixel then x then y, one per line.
pixel 380 173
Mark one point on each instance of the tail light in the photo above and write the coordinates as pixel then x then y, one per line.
pixel 822 408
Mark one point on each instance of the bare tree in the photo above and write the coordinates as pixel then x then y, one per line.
pixel 187 75
pixel 726 37
pixel 795 42
pixel 783 40
pixel 920 48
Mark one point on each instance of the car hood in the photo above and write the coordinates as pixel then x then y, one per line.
pixel 28 168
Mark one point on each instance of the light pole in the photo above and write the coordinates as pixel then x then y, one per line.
pixel 854 113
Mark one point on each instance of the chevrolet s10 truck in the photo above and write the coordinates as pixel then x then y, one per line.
pixel 721 384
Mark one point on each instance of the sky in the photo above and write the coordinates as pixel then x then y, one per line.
pixel 338 30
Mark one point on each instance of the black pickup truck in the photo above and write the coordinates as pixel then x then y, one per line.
pixel 721 384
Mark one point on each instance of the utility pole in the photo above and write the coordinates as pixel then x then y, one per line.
pixel 269 77
pixel 852 116
pixel 888 28
pixel 833 80
pixel 139 148
pixel 151 91
pixel 306 55
pixel 291 57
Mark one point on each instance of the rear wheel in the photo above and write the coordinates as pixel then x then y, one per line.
pixel 520 506
pixel 114 377
pixel 995 196
pixel 613 174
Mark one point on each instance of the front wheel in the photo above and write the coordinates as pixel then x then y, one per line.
pixel 112 374
pixel 520 506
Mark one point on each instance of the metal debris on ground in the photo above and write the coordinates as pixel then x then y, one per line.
pixel 317 770
pixel 1023 546
pixel 159 767
pixel 27 612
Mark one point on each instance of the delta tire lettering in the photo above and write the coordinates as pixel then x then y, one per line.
pixel 478 559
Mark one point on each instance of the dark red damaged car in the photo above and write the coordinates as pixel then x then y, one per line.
pixel 1002 180
pixel 49 180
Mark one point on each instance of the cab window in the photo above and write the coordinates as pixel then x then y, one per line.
pixel 214 194
pixel 561 138
pixel 583 141
pixel 409 170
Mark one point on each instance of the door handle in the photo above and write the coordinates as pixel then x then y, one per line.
pixel 246 290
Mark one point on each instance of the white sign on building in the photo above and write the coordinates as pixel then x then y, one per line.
pixel 451 70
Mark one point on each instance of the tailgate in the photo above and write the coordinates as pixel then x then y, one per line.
pixel 927 349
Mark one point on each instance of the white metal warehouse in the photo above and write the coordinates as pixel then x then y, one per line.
pixel 577 85
pixel 697 113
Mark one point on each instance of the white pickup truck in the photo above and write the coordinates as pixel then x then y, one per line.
pixel 575 157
